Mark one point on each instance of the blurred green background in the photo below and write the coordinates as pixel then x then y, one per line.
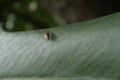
pixel 21 15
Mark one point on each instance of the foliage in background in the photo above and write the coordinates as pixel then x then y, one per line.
pixel 19 15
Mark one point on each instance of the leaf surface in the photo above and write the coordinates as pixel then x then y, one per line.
pixel 84 51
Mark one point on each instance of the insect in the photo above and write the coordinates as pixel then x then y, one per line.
pixel 48 36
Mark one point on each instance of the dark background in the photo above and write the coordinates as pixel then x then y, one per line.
pixel 21 15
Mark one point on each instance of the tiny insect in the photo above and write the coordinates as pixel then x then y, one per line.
pixel 47 36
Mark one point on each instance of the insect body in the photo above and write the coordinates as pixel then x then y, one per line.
pixel 47 35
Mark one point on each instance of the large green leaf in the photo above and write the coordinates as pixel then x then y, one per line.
pixel 84 51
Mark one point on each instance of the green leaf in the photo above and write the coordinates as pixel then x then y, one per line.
pixel 84 51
